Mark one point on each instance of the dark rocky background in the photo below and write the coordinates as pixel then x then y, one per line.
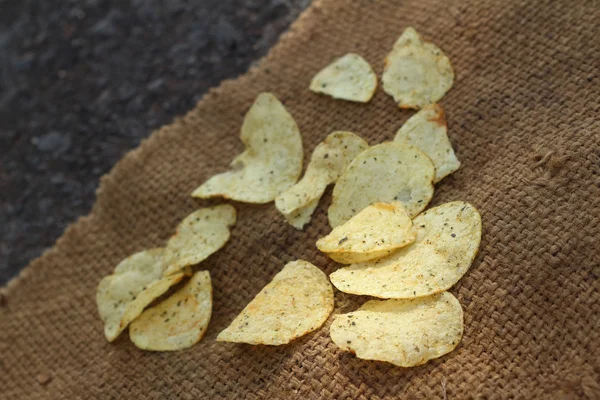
pixel 84 81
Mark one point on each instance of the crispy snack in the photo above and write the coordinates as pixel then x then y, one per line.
pixel 405 333
pixel 302 215
pixel 348 78
pixel 427 130
pixel 272 161
pixel 297 301
pixel 373 233
pixel 329 159
pixel 179 321
pixel 136 282
pixel 198 236
pixel 448 238
pixel 416 73
pixel 385 173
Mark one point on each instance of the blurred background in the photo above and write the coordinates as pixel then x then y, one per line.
pixel 84 81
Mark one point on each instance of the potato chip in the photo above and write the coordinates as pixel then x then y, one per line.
pixel 348 78
pixel 179 321
pixel 373 233
pixel 303 215
pixel 384 173
pixel 297 301
pixel 416 73
pixel 136 282
pixel 329 159
pixel 427 130
pixel 198 236
pixel 405 333
pixel 448 238
pixel 272 161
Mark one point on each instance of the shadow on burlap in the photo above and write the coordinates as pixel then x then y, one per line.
pixel 523 117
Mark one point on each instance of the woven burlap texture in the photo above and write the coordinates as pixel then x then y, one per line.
pixel 523 118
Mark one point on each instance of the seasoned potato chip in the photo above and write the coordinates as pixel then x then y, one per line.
pixel 303 215
pixel 147 263
pixel 297 301
pixel 448 238
pixel 136 282
pixel 384 173
pixel 198 236
pixel 405 333
pixel 348 78
pixel 375 232
pixel 427 130
pixel 416 73
pixel 329 159
pixel 272 161
pixel 179 321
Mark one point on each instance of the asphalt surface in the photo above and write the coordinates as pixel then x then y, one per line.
pixel 84 81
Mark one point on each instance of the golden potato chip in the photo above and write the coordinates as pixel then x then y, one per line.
pixel 329 159
pixel 198 236
pixel 405 333
pixel 136 282
pixel 272 161
pixel 384 173
pixel 348 78
pixel 416 73
pixel 427 130
pixel 373 233
pixel 179 321
pixel 297 301
pixel 448 238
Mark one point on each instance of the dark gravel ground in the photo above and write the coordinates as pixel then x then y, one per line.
pixel 84 81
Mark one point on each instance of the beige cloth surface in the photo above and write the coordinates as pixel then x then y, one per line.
pixel 524 119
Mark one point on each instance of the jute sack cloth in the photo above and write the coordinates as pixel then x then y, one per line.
pixel 523 117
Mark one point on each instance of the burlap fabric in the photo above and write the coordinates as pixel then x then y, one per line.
pixel 523 117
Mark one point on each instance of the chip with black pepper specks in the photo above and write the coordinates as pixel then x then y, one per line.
pixel 136 282
pixel 347 78
pixel 416 73
pixel 297 301
pixel 329 159
pixel 405 333
pixel 272 161
pixel 198 235
pixel 428 131
pixel 375 232
pixel 179 321
pixel 447 241
pixel 384 173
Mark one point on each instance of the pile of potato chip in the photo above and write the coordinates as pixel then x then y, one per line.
pixel 394 250
pixel 181 320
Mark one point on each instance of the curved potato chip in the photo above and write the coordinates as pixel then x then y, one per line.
pixel 329 159
pixel 405 333
pixel 302 216
pixel 136 272
pixel 416 73
pixel 384 173
pixel 297 301
pixel 136 282
pixel 179 321
pixel 349 77
pixel 448 238
pixel 272 161
pixel 373 233
pixel 198 236
pixel 427 130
